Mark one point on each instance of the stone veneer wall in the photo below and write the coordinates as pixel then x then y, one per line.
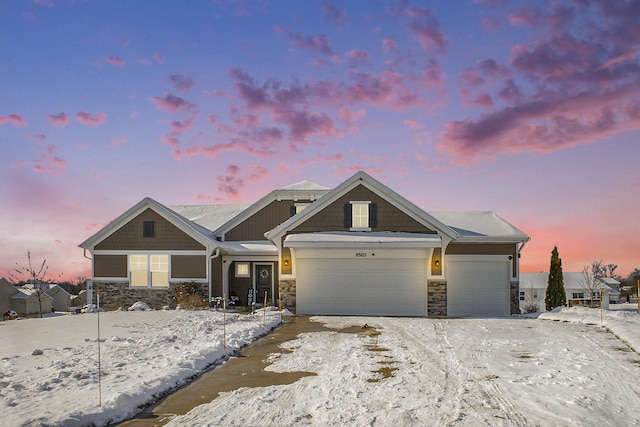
pixel 288 294
pixel 120 295
pixel 514 298
pixel 437 299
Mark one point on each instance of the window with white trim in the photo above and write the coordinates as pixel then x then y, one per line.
pixel 149 271
pixel 578 295
pixel 360 215
pixel 242 269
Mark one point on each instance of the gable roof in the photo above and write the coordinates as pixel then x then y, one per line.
pixel 194 230
pixel 362 178
pixel 304 190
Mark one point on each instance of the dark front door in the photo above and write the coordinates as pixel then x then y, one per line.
pixel 263 282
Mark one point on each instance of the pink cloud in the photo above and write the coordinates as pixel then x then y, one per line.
pixel 357 55
pixel 172 103
pixel 432 75
pixel 114 60
pixel 181 82
pixel 159 58
pixel 389 45
pixel 15 119
pixel 411 123
pixel 60 120
pixel 49 162
pixel 318 44
pixel 426 29
pixel 181 127
pixel 230 183
pixel 115 142
pixel 86 118
pixel 335 16
pixel 347 116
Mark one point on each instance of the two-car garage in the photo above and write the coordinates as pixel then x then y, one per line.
pixel 393 282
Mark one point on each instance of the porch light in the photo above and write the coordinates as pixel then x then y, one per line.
pixel 286 263
pixel 437 263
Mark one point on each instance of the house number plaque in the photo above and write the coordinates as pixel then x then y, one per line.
pixel 361 254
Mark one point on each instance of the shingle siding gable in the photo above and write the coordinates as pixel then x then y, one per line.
pixel 387 216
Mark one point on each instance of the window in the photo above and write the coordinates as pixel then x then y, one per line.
pixel 522 295
pixel 149 271
pixel 242 269
pixel 535 294
pixel 360 215
pixel 148 229
pixel 578 295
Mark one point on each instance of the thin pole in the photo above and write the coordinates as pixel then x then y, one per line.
pixel 601 308
pixel 264 311
pixel 224 321
pixel 99 362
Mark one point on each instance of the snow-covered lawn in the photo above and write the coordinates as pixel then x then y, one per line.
pixel 49 367
pixel 398 371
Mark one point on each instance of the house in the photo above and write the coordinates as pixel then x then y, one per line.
pixel 27 300
pixel 357 249
pixel 61 298
pixel 6 290
pixel 533 288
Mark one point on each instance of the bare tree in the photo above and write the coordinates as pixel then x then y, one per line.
pixel 532 299
pixel 38 278
pixel 591 283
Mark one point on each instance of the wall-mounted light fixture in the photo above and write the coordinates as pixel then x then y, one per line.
pixel 286 263
pixel 437 263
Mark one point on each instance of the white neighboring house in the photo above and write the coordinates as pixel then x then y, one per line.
pixel 61 298
pixel 533 288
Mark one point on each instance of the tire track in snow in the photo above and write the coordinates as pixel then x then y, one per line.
pixel 475 395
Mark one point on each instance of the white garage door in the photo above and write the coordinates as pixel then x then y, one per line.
pixel 362 285
pixel 477 286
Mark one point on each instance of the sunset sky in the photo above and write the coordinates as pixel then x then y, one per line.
pixel 530 109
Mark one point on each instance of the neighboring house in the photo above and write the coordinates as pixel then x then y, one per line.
pixel 61 298
pixel 533 288
pixel 357 249
pixel 25 301
pixel 6 290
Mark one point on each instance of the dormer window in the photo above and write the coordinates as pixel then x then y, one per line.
pixel 360 216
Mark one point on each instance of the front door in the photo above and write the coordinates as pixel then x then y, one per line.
pixel 263 282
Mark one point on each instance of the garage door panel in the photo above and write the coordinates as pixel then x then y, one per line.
pixel 361 287
pixel 478 288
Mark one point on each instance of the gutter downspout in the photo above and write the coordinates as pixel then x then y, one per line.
pixel 214 255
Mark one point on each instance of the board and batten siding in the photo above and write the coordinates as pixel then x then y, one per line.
pixel 389 217
pixel 110 266
pixel 167 236
pixel 188 266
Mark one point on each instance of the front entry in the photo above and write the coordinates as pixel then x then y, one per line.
pixel 263 282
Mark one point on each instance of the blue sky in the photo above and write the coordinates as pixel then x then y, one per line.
pixel 529 109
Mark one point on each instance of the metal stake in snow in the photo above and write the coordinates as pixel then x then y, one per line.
pixel 638 296
pixel 224 321
pixel 264 311
pixel 99 368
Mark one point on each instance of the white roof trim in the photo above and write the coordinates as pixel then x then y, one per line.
pixel 360 239
pixel 377 187
pixel 260 247
pixel 192 229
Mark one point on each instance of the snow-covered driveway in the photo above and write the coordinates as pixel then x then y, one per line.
pixel 415 372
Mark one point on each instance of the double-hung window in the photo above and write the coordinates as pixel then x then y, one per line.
pixel 360 216
pixel 149 271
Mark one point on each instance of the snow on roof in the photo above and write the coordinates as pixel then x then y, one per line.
pixel 208 216
pixel 572 281
pixel 469 224
pixel 251 247
pixel 305 185
pixel 345 238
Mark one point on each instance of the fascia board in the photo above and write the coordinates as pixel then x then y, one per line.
pixel 377 187
pixel 493 239
pixel 137 209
